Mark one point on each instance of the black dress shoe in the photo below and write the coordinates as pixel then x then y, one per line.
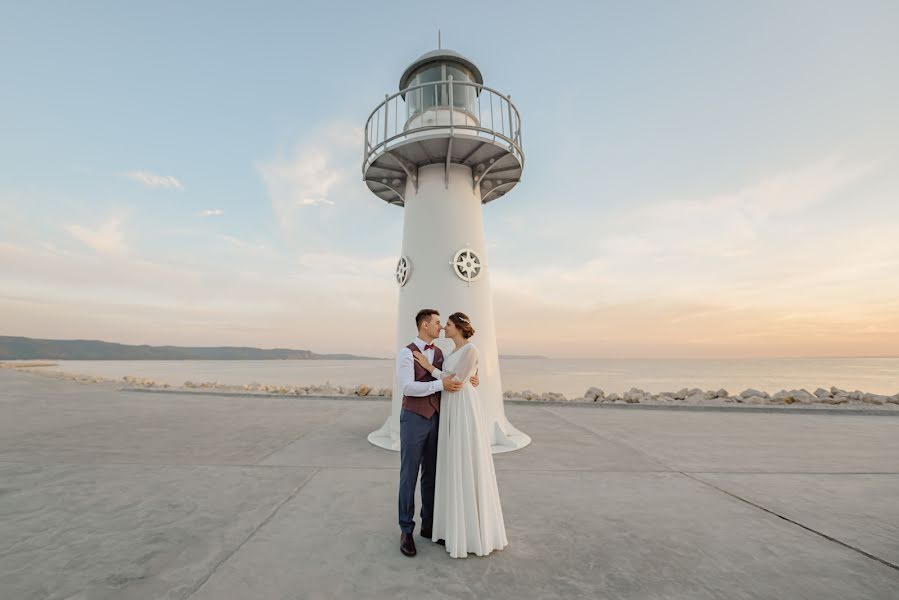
pixel 407 545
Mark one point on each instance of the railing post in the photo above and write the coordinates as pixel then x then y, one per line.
pixel 386 113
pixel 365 135
pixel 478 96
pixel 452 107
pixel 509 108
pixel 492 126
pixel 518 136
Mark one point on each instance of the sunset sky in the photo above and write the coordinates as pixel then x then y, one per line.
pixel 702 178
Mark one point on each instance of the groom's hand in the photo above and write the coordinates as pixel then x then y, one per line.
pixel 451 385
pixel 474 380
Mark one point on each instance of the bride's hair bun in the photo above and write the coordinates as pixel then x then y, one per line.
pixel 462 323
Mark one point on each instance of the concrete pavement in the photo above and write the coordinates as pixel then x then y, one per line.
pixel 112 494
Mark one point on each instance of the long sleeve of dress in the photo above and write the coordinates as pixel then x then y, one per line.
pixel 468 363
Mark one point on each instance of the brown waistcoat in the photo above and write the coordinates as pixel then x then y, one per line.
pixel 425 406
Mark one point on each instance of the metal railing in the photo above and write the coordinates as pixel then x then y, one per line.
pixel 450 105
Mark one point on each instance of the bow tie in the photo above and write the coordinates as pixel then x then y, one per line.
pixel 429 346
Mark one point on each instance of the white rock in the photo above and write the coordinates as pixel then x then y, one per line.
pixel 874 399
pixel 633 394
pixel 697 398
pixel 803 396
pixel 835 391
pixel 751 392
pixel 835 400
pixel 781 396
pixel 681 394
pixel 822 393
pixel 593 393
pixel 722 393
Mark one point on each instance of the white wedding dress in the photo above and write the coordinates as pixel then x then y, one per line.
pixel 467 511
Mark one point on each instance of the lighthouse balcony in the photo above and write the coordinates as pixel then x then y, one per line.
pixel 443 122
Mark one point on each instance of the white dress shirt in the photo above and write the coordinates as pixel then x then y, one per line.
pixel 405 372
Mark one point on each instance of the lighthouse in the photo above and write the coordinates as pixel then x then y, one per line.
pixel 440 148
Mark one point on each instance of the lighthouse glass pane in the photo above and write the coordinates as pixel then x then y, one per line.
pixel 418 100
pixel 463 95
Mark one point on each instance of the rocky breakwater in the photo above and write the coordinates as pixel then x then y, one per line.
pixel 262 388
pixel 43 369
pixel 834 397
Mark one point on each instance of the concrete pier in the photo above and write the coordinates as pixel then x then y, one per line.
pixel 128 495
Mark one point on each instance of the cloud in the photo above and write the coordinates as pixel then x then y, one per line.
pixel 217 212
pixel 108 238
pixel 333 265
pixel 299 302
pixel 315 201
pixel 320 171
pixel 782 241
pixel 743 223
pixel 153 180
pixel 251 247
pixel 302 180
pixel 782 194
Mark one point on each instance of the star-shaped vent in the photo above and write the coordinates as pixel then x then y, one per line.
pixel 467 265
pixel 403 271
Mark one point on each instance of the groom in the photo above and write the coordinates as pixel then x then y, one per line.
pixel 419 422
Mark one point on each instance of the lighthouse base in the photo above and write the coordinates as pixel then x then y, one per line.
pixel 503 437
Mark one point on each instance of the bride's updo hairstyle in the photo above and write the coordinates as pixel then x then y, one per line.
pixel 463 324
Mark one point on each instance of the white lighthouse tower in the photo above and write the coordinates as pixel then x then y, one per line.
pixel 441 147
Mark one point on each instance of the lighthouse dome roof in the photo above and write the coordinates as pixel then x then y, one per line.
pixel 435 56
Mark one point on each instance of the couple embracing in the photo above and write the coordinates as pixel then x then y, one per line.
pixel 443 433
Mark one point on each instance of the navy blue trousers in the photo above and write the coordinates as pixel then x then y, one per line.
pixel 418 450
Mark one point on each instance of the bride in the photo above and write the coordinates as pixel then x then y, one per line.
pixel 467 511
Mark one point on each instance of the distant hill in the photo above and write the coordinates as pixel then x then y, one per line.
pixel 523 356
pixel 22 348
